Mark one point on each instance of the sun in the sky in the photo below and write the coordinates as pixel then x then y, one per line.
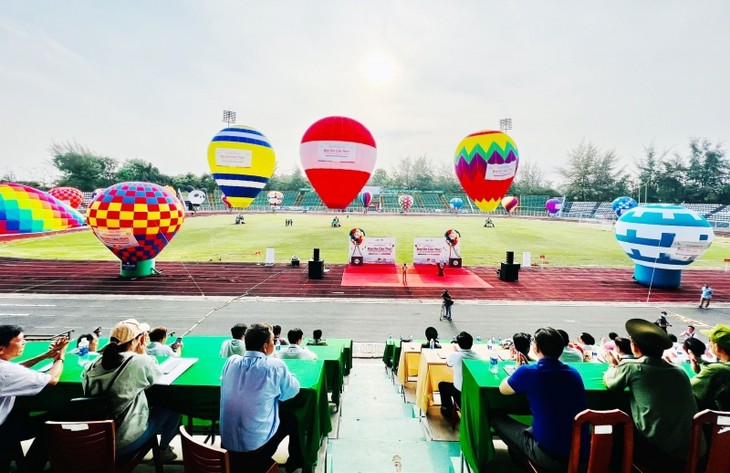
pixel 380 69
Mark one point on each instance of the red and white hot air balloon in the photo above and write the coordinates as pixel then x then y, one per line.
pixel 338 154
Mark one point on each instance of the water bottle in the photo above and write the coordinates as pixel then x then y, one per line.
pixel 390 336
pixel 479 339
pixel 499 340
pixel 278 344
pixel 410 339
pixel 594 356
pixel 493 363
pixel 431 344
pixel 83 352
pixel 490 343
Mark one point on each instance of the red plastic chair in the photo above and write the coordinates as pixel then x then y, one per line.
pixel 718 454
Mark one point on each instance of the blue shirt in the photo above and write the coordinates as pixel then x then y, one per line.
pixel 556 394
pixel 251 387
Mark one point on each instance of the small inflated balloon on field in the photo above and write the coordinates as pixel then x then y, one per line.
pixel 338 154
pixel 68 195
pixel 622 204
pixel 24 209
pixel 136 220
pixel 510 203
pixel 357 235
pixel 553 205
pixel 456 203
pixel 365 199
pixel 405 202
pixel 452 236
pixel 662 240
pixel 486 163
pixel 242 160
pixel 225 201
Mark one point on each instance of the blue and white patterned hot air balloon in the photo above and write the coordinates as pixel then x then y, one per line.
pixel 662 240
pixel 622 204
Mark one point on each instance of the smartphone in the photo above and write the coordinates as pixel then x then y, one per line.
pixel 509 369
pixel 178 340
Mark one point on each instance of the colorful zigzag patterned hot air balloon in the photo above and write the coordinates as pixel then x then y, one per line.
pixel 242 161
pixel 486 163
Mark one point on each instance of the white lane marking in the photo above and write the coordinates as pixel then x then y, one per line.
pixel 28 305
pixel 10 314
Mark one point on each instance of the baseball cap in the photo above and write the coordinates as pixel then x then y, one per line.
pixel 128 330
pixel 720 334
pixel 648 334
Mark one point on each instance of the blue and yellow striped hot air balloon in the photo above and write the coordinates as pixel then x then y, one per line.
pixel 242 161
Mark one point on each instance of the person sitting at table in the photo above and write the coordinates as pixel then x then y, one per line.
pixel 570 353
pixel 587 344
pixel 157 347
pixel 520 349
pixel 251 422
pixel 711 386
pixel 17 379
pixel 621 352
pixel 451 392
pixel 317 338
pixel 122 374
pixel 93 342
pixel 235 345
pixel 431 334
pixel 694 350
pixel 295 349
pixel 556 394
pixel 661 399
pixel 277 336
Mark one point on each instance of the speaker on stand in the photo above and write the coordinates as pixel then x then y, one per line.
pixel 315 268
pixel 509 271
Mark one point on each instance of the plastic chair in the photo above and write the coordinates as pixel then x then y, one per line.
pixel 602 435
pixel 718 454
pixel 78 447
pixel 201 458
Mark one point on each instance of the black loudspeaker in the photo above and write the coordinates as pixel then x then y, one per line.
pixel 356 260
pixel 510 258
pixel 316 269
pixel 316 254
pixel 509 272
pixel 455 262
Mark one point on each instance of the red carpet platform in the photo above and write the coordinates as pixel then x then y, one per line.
pixel 19 276
pixel 418 276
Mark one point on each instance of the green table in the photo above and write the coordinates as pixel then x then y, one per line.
pixel 480 395
pixel 197 393
pixel 346 344
pixel 334 366
pixel 389 351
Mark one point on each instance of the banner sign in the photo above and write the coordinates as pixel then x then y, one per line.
pixel 378 250
pixel 433 250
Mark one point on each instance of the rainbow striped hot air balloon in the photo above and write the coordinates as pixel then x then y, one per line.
pixel 366 198
pixel 242 161
pixel 486 163
pixel 24 209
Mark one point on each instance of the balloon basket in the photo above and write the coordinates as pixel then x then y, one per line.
pixel 140 269
pixel 655 277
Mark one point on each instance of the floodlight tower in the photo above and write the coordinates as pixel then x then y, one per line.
pixel 505 124
pixel 229 117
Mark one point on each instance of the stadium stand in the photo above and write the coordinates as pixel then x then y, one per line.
pixel 703 209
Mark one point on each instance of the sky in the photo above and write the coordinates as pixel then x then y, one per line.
pixel 149 80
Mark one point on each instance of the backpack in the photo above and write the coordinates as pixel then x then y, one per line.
pixel 97 407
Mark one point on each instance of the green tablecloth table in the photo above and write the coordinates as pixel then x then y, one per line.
pixel 334 366
pixel 197 393
pixel 346 344
pixel 390 347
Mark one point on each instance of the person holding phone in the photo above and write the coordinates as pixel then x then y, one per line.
pixel 157 347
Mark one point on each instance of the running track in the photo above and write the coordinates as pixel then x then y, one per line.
pixel 21 276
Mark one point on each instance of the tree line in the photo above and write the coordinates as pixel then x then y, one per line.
pixel 701 174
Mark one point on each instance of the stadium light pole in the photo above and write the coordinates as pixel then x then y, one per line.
pixel 505 124
pixel 229 117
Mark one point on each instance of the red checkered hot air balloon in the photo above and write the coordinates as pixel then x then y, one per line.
pixel 68 195
pixel 338 154
pixel 136 220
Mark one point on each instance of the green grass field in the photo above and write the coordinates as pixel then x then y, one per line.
pixel 204 238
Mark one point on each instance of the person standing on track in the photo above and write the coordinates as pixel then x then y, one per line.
pixel 448 302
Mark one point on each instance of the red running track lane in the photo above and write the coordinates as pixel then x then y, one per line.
pixel 19 276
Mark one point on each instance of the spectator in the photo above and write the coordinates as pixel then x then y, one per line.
pixel 705 297
pixel 569 354
pixel 621 353
pixel 251 423
pixel 609 344
pixel 157 347
pixel 89 337
pixel 17 379
pixel 662 404
pixel 711 386
pixel 122 375
pixel 317 338
pixel 587 344
pixel 236 345
pixel 431 334
pixel 277 336
pixel 689 333
pixel 449 391
pixel 695 349
pixel 520 349
pixel 662 321
pixel 556 394
pixel 295 349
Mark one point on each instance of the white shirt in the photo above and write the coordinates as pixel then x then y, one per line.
pixel 17 380
pixel 232 347
pixel 455 361
pixel 158 349
pixel 296 352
